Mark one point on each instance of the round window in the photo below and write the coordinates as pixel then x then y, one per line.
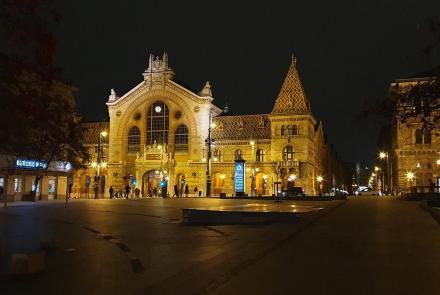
pixel 137 116
pixel 177 114
pixel 196 109
pixel 118 113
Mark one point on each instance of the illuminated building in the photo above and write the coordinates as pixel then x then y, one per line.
pixel 157 134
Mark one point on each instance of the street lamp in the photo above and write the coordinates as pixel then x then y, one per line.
pixel 252 144
pixel 99 163
pixel 319 179
pixel 410 177
pixel 382 156
pixel 209 142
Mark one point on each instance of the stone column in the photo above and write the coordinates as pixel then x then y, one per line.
pixel 61 187
pixel 44 189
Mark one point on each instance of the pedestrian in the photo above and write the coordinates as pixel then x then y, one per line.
pixel 431 187
pixel 186 191
pixel 111 191
pixel 155 192
pixel 196 191
pixel 137 192
pixel 176 191
pixel 127 191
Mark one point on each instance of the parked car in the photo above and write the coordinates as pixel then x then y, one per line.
pixel 295 191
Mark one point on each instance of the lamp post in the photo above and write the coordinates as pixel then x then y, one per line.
pixel 382 156
pixel 99 164
pixel 319 179
pixel 410 178
pixel 252 144
pixel 209 142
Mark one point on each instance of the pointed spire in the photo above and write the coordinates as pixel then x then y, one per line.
pixel 150 61
pixel 165 59
pixel 292 98
pixel 226 108
pixel 206 91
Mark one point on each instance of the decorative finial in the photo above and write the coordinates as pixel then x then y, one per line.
pixel 206 91
pixel 293 58
pixel 113 96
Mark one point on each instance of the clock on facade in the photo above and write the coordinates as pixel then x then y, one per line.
pixel 157 109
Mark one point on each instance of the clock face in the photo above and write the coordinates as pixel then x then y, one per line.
pixel 158 109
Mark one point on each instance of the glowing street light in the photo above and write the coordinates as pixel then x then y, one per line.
pixel 410 176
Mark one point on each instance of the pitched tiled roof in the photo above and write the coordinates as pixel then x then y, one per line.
pixel 92 130
pixel 241 127
pixel 292 98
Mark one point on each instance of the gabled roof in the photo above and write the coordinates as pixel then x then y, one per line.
pixel 243 127
pixel 292 98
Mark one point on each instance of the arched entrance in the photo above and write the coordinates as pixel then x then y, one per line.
pixel 261 184
pixel 151 183
pixel 218 183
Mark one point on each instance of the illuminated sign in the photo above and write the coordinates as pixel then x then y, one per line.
pixel 239 176
pixel 30 164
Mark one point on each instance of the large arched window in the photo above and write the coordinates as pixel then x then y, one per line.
pixel 238 155
pixel 419 136
pixel 427 136
pixel 181 138
pixel 289 130
pixel 260 155
pixel 158 123
pixel 134 140
pixel 283 130
pixel 288 153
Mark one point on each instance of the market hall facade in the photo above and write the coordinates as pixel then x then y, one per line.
pixel 157 133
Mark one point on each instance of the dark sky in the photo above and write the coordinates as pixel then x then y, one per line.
pixel 347 52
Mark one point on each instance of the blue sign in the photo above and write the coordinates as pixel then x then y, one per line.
pixel 30 164
pixel 239 177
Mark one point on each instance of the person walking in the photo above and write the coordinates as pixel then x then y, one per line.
pixel 137 192
pixel 111 191
pixel 186 191
pixel 431 187
pixel 127 191
pixel 196 191
pixel 176 191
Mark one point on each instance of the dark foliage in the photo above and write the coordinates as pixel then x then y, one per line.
pixel 38 115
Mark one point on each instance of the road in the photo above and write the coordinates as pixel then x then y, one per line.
pixel 367 245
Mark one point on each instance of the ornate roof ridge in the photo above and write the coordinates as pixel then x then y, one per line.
pixel 292 98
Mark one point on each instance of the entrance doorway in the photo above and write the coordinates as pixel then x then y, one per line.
pixel 151 183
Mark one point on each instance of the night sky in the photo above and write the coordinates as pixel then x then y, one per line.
pixel 346 53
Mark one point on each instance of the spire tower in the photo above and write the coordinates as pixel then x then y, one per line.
pixel 292 98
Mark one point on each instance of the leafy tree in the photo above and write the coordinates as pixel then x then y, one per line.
pixel 38 115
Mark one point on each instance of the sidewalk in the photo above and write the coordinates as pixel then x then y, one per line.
pixel 370 245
